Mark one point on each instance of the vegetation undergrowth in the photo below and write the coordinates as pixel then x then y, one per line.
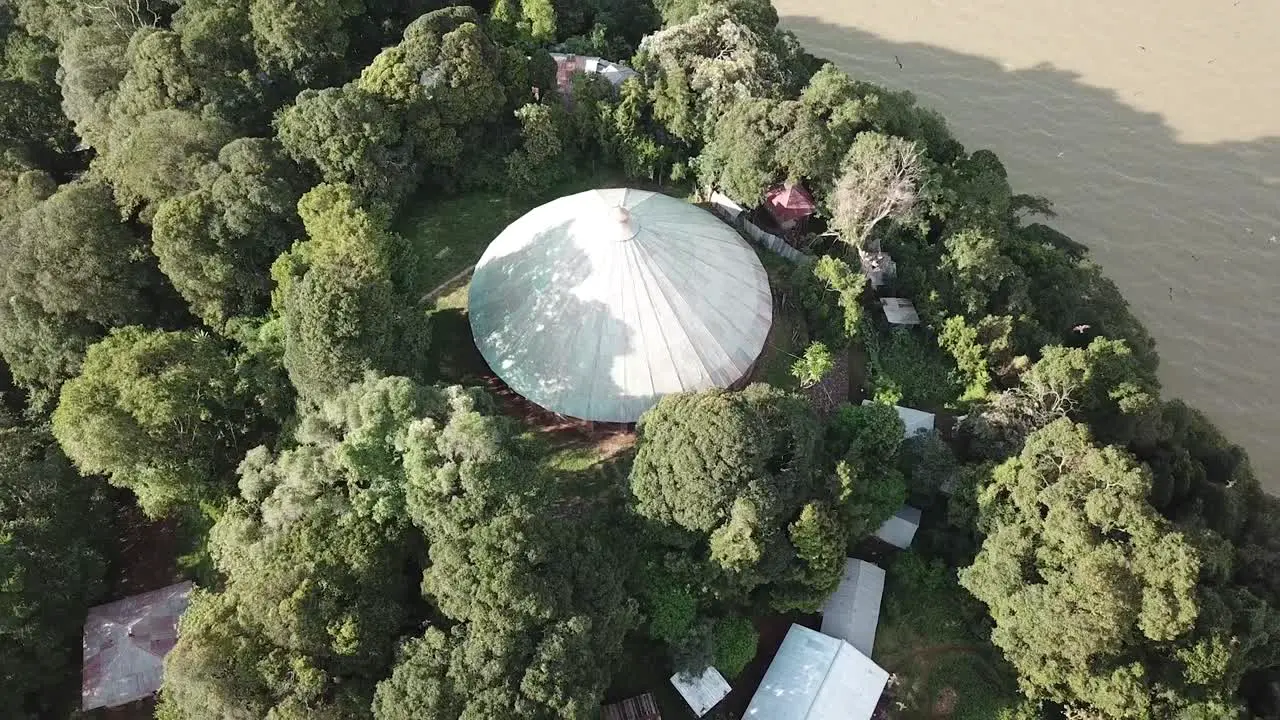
pixel 219 225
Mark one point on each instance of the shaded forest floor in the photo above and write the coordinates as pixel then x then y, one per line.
pixel 146 558
pixel 941 668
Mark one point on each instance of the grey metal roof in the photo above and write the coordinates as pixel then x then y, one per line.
pixel 900 529
pixel 900 311
pixel 702 692
pixel 852 613
pixel 817 677
pixel 125 643
pixel 914 421
pixel 595 305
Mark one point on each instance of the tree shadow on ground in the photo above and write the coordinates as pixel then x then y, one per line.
pixel 1190 232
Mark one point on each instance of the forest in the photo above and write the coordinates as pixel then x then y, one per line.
pixel 221 223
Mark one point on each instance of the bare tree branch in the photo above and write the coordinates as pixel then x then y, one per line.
pixel 882 178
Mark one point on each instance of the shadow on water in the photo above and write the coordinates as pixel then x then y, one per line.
pixel 1190 232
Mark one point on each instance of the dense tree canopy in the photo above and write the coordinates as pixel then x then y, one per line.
pixel 314 557
pixel 1109 620
pixel 160 413
pixel 341 315
pixel 216 244
pixel 729 472
pixel 538 586
pixel 161 158
pixel 103 279
pixel 211 209
pixel 53 527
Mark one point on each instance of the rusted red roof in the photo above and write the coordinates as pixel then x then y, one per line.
pixel 566 67
pixel 125 643
pixel 789 202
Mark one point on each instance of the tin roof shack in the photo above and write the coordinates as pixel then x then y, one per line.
pixel 853 610
pixel 879 267
pixel 899 311
pixel 900 529
pixel 641 707
pixel 702 692
pixel 818 677
pixel 125 643
pixel 789 205
pixel 568 65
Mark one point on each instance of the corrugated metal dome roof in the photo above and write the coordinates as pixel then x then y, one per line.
pixel 597 304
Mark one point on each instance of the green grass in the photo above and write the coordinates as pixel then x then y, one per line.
pixel 906 367
pixel 574 458
pixel 452 356
pixel 447 235
pixel 451 234
pixel 789 336
pixel 455 297
pixel 591 470
pixel 929 637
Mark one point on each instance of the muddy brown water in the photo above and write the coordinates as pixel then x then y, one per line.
pixel 1153 126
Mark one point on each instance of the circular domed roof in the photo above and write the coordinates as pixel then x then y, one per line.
pixel 595 305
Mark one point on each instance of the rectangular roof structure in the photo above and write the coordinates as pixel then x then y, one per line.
pixel 914 420
pixel 900 311
pixel 568 65
pixel 853 611
pixel 817 677
pixel 900 529
pixel 877 266
pixel 641 707
pixel 125 643
pixel 702 692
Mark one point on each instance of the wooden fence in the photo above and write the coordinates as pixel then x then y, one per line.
pixel 736 215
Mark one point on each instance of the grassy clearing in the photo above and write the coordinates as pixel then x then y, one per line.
pixel 454 297
pixel 452 356
pixel 929 637
pixel 450 234
pixel 593 468
pixel 789 336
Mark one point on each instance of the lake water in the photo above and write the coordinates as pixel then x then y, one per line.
pixel 1153 126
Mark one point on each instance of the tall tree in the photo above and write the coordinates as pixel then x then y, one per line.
pixel 880 179
pixel 33 130
pixel 308 42
pixel 723 475
pixel 341 315
pixel 538 587
pixel 702 66
pixel 318 567
pixel 455 88
pixel 350 136
pixel 93 61
pixel 216 244
pixel 159 413
pixel 161 158
pixel 1093 594
pixel 103 280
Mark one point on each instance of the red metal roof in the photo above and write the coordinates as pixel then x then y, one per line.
pixel 789 202
pixel 125 643
pixel 566 68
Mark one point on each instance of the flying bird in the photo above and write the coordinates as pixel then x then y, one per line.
pixel 895 59
pixel 1080 328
